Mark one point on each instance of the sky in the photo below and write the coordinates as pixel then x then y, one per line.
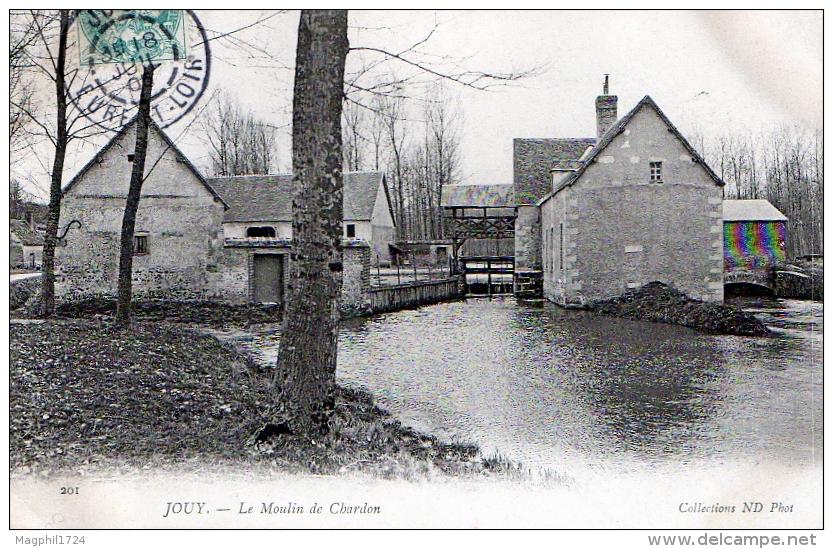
pixel 712 73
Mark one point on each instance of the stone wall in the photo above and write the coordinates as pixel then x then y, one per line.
pixel 184 239
pixel 381 237
pixel 528 239
pixel 21 291
pixel 15 254
pixel 622 231
pixel 234 282
pixel 32 256
pixel 355 282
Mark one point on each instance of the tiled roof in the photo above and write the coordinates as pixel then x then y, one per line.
pixel 483 196
pixel 534 159
pixel 360 190
pixel 751 210
pixel 269 197
pixel 26 236
pixel 256 197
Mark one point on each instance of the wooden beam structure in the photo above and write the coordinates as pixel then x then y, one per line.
pixel 479 222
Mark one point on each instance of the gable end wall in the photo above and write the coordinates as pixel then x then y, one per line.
pixel 179 215
pixel 621 231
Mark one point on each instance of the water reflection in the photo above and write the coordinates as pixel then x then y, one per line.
pixel 548 386
pixel 644 390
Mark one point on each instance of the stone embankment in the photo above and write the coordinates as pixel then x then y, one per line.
pixel 656 302
pixel 804 279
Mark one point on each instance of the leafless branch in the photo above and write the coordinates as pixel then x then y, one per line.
pixel 260 21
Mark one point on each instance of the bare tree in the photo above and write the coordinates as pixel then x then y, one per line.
pixel 382 84
pixel 306 362
pixel 418 141
pixel 307 354
pixel 786 168
pixel 354 118
pixel 22 35
pixel 59 122
pixel 238 143
pixel 443 125
pixel 61 139
pixel 377 138
pixel 134 193
pixel 391 110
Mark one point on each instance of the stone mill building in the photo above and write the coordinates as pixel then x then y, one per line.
pixel 597 216
pixel 639 206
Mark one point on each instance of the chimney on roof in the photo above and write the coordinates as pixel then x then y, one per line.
pixel 605 110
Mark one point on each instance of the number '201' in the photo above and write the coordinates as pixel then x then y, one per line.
pixel 69 490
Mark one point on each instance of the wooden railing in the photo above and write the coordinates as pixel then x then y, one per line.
pixel 408 296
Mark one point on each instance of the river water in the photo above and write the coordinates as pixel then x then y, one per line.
pixel 576 393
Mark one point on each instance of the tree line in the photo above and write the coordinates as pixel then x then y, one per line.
pixel 238 142
pixel 785 167
pixel 416 142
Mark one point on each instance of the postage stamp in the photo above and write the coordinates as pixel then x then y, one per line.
pixel 131 36
pixel 113 43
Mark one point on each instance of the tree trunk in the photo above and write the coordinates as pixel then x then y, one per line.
pixel 137 176
pixel 55 187
pixel 307 356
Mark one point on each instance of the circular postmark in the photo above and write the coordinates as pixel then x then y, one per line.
pixel 112 44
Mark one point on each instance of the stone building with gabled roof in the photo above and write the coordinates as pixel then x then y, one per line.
pixel 25 244
pixel 260 206
pixel 641 206
pixel 178 240
pixel 192 239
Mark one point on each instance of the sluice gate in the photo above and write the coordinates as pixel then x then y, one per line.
pixel 488 275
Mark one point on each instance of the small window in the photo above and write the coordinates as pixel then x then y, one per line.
pixel 130 157
pixel 260 232
pixel 656 172
pixel 351 230
pixel 140 244
pixel 550 244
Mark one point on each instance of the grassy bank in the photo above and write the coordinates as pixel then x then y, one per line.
pixel 82 393
pixel 188 312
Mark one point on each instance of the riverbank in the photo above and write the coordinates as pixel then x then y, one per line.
pixel 656 302
pixel 209 313
pixel 83 395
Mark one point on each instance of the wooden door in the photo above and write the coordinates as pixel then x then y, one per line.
pixel 268 278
